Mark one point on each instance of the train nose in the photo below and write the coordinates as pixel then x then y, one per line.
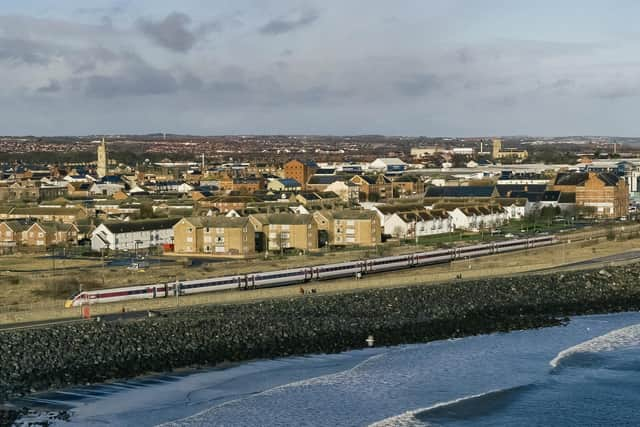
pixel 68 303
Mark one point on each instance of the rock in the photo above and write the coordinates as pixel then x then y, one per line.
pixel 604 273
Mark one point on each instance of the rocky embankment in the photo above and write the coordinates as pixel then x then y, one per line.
pixel 55 357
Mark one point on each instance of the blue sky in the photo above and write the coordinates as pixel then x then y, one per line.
pixel 415 67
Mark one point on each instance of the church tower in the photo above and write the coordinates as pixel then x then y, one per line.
pixel 497 148
pixel 102 159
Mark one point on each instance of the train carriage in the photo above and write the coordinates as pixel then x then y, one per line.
pixel 279 278
pixel 332 271
pixel 388 263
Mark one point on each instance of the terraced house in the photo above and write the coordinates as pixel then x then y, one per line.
pixel 220 236
pixel 45 234
pixel 132 235
pixel 59 214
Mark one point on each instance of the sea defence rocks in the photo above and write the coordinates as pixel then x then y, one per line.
pixel 54 357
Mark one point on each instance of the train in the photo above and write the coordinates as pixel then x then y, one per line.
pixel 355 269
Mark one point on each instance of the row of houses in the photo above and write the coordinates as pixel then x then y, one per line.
pixel 30 233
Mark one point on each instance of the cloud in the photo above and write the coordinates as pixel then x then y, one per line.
pixel 26 51
pixel 136 78
pixel 52 87
pixel 285 24
pixel 418 84
pixel 176 32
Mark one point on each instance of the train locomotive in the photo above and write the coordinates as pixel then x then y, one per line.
pixel 303 274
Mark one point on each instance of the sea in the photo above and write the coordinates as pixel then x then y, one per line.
pixel 585 373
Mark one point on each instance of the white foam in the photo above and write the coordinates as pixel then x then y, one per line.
pixel 615 340
pixel 409 419
pixel 202 418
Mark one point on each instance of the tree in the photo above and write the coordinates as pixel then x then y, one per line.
pixel 146 210
pixel 373 197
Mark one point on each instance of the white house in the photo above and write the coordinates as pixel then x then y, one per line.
pixel 132 235
pixel 515 209
pixel 405 225
pixel 478 217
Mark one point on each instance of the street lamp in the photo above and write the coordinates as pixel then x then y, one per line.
pixel 137 243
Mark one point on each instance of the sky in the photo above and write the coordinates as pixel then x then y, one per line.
pixel 411 67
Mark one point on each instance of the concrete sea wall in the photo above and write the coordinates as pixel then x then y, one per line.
pixel 54 357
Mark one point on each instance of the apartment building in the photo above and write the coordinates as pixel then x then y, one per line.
pixel 605 192
pixel 220 236
pixel 349 227
pixel 282 231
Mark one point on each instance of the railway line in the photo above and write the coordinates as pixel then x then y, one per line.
pixel 355 269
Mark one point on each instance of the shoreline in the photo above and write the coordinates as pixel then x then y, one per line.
pixel 67 355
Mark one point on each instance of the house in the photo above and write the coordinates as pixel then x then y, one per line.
pixel 105 189
pixel 245 185
pixel 281 231
pixel 514 208
pixel 79 189
pixel 478 217
pixel 604 192
pixel 226 203
pixel 419 223
pixel 322 182
pixel 285 184
pixel 300 170
pixel 385 212
pixel 373 187
pixel 407 186
pixel 52 191
pixel 221 236
pixel 128 207
pixel 43 234
pixel 12 231
pixel 60 214
pixel 132 235
pixel 346 190
pixel 349 227
pixel 28 191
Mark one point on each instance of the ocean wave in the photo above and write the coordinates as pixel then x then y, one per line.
pixel 464 407
pixel 203 418
pixel 615 340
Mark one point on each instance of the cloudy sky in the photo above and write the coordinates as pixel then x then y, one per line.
pixel 411 67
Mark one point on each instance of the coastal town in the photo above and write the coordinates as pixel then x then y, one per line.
pixel 297 205
pixel 316 213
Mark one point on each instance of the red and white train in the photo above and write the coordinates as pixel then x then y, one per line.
pixel 303 274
